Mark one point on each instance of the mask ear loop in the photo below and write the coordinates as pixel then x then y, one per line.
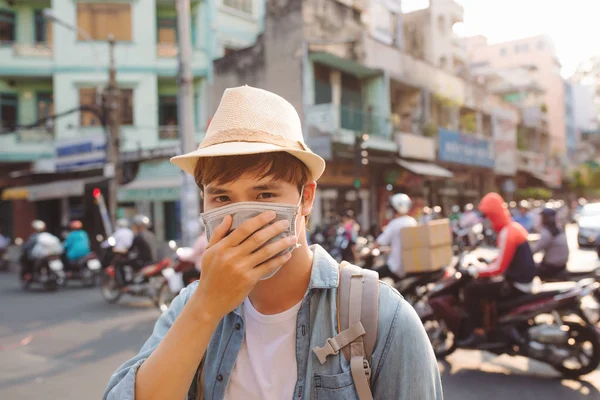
pixel 298 206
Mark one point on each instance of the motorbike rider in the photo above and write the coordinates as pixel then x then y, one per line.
pixel 40 244
pixel 77 243
pixel 553 242
pixel 514 263
pixel 351 229
pixel 143 251
pixel 123 236
pixel 455 214
pixel 391 236
pixel 523 216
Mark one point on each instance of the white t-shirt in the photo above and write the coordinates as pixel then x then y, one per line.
pixel 265 367
pixel 391 237
pixel 123 239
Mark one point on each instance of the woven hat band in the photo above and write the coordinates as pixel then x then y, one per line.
pixel 251 136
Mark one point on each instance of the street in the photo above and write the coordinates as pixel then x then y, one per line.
pixel 65 345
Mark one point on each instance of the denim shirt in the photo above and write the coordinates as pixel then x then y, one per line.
pixel 403 364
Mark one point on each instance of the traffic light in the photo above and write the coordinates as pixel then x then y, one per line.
pixel 96 193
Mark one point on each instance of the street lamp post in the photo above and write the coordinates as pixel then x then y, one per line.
pixel 111 108
pixel 189 193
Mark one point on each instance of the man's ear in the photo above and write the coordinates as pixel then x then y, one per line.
pixel 308 197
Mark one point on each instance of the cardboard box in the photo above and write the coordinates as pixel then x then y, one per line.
pixel 425 259
pixel 435 234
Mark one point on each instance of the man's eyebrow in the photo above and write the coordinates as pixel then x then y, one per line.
pixel 267 186
pixel 211 191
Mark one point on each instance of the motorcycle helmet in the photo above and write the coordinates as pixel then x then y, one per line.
pixel 122 223
pixel 401 203
pixel 141 221
pixel 437 209
pixel 455 209
pixel 469 207
pixel 38 225
pixel 75 225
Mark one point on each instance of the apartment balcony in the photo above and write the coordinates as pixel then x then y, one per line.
pixel 534 117
pixel 166 50
pixel 167 63
pixel 343 123
pixel 26 59
pixel 26 145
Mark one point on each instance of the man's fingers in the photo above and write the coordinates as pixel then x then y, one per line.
pixel 268 267
pixel 262 236
pixel 271 250
pixel 246 229
pixel 220 231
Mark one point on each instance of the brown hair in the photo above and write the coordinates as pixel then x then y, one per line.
pixel 279 165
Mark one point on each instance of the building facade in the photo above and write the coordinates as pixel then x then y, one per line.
pixel 384 101
pixel 48 69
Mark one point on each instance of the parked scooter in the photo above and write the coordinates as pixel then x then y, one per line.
pixel 531 326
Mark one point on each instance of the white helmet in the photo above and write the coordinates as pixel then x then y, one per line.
pixel 122 223
pixel 455 209
pixel 469 207
pixel 401 203
pixel 141 220
pixel 38 225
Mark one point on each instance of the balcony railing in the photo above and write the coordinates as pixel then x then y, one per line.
pixel 166 50
pixel 169 132
pixel 32 50
pixel 331 118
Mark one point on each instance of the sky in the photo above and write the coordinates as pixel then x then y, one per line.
pixel 573 25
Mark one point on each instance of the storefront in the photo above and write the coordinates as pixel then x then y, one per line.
pixel 471 160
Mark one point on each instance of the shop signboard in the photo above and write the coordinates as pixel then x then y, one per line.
pixel 415 147
pixel 504 128
pixel 459 148
pixel 81 152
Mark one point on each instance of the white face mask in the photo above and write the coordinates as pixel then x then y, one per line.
pixel 245 210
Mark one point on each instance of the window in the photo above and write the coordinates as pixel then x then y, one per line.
pixel 87 96
pixel 541 45
pixel 9 109
pixel 42 28
pixel 45 105
pixel 241 5
pixel 168 117
pixel 7 27
pixel 167 30
pixel 101 20
pixel 322 84
pixel 503 51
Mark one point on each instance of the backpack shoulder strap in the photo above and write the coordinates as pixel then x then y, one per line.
pixel 357 313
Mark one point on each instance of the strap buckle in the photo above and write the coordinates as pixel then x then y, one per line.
pixel 367 368
pixel 330 348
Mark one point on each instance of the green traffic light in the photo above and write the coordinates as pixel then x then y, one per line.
pixel 357 183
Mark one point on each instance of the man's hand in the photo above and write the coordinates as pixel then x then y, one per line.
pixel 232 264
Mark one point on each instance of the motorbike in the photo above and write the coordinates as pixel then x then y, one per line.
pixel 175 278
pixel 463 237
pixel 144 283
pixel 48 271
pixel 86 269
pixel 549 326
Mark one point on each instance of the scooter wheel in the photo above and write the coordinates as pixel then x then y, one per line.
pixel 111 292
pixel 584 345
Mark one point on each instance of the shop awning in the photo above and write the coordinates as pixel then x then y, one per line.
pixel 46 191
pixel 425 169
pixel 161 189
pixel 16 193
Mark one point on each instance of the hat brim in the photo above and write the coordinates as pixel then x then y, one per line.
pixel 188 162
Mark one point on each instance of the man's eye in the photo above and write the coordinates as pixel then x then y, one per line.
pixel 221 199
pixel 266 196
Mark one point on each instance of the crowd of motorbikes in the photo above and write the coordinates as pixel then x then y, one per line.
pixel 551 326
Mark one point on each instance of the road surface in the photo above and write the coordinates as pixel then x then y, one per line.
pixel 65 345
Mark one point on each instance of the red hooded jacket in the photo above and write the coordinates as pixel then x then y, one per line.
pixel 515 259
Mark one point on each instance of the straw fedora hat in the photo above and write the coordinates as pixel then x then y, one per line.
pixel 253 121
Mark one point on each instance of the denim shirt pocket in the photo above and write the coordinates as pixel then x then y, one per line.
pixel 335 387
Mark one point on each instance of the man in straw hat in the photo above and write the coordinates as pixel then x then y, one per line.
pixel 265 300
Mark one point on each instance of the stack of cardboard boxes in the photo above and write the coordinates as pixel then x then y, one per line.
pixel 427 247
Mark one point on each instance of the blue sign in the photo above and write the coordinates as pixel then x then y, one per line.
pixel 82 152
pixel 459 148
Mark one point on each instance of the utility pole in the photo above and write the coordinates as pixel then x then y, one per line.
pixel 112 109
pixel 190 211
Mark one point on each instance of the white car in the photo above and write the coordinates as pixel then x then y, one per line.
pixel 588 224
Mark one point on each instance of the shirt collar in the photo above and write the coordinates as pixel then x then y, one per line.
pixel 324 274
